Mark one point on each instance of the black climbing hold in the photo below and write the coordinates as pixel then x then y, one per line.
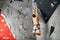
pixel 51 30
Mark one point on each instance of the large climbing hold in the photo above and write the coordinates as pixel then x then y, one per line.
pixel 35 18
pixel 51 30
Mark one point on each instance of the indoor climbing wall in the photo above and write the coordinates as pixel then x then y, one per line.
pixel 19 17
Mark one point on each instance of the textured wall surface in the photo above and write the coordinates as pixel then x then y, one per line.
pixel 20 22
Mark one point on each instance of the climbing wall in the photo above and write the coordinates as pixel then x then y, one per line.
pixel 19 17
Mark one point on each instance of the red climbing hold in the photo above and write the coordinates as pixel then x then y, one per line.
pixel 5 33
